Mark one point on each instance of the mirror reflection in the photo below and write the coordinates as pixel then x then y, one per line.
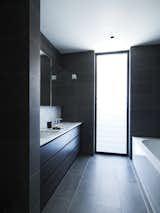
pixel 46 82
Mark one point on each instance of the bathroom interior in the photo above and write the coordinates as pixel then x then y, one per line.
pixel 81 106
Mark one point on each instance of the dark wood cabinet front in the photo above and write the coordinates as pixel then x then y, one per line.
pixel 56 158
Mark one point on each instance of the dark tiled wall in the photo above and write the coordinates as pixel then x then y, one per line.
pixel 145 87
pixel 34 107
pixel 19 109
pixel 77 97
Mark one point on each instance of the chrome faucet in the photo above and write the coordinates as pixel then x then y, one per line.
pixel 58 120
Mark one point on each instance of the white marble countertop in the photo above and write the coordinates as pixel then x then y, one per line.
pixel 47 135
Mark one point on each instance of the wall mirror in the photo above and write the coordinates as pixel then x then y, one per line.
pixel 46 81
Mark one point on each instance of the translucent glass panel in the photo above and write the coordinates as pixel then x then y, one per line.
pixel 112 103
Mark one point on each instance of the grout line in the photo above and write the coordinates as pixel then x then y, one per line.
pixel 69 208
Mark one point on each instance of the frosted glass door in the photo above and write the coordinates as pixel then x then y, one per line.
pixel 112 103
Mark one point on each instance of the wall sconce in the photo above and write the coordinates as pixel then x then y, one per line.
pixel 54 77
pixel 74 76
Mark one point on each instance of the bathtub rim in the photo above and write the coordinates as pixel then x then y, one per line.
pixel 153 158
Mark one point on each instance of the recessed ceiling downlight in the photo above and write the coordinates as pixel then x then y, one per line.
pixel 112 37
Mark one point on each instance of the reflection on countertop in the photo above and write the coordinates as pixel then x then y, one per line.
pixel 47 135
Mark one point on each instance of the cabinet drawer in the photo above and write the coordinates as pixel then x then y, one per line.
pixel 51 165
pixel 48 188
pixel 49 150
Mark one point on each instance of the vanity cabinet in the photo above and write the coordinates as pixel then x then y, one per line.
pixel 56 158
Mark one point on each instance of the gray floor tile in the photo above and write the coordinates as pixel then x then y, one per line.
pixel 68 186
pixel 125 175
pixel 70 182
pixel 99 184
pixel 88 206
pixel 57 205
pixel 106 198
pixel 79 165
pixel 131 201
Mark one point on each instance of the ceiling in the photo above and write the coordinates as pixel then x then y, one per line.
pixel 79 25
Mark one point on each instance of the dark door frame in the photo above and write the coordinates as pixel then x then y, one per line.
pixel 109 53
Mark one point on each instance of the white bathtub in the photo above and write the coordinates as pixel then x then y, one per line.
pixel 146 160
